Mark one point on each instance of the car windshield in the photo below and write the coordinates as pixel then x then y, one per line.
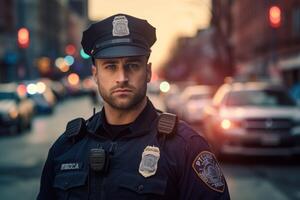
pixel 259 98
pixel 199 96
pixel 7 95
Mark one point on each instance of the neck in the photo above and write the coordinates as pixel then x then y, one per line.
pixel 118 117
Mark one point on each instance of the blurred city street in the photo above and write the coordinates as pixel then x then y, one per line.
pixel 22 158
pixel 230 69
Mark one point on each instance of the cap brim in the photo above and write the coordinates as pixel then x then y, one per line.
pixel 121 51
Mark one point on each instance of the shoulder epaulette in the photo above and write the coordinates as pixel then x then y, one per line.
pixel 76 129
pixel 167 123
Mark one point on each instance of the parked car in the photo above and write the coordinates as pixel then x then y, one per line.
pixel 16 110
pixel 57 88
pixel 253 118
pixel 194 99
pixel 42 95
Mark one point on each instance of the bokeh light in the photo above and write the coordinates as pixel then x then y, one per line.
pixel 164 86
pixel 69 60
pixel 70 49
pixel 21 90
pixel 32 89
pixel 41 87
pixel 59 62
pixel 73 79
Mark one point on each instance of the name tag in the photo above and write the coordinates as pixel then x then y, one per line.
pixel 70 166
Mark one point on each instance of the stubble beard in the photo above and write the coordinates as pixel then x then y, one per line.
pixel 132 101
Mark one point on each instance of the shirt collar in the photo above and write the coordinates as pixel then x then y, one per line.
pixel 140 126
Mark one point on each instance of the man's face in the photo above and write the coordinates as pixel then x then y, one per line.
pixel 122 82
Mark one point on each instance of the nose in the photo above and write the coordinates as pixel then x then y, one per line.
pixel 122 76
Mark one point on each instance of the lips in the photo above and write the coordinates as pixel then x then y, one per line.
pixel 122 90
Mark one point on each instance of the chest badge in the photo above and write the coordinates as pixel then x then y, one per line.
pixel 150 157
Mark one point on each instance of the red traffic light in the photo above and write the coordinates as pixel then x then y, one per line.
pixel 23 38
pixel 275 16
pixel 70 49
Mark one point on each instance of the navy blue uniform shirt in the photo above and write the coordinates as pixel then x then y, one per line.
pixel 143 164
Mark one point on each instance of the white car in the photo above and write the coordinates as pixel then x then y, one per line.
pixel 194 99
pixel 253 119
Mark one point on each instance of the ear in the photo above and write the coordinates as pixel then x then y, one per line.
pixel 94 72
pixel 149 72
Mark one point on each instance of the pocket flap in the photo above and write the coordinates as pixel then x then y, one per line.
pixel 142 185
pixel 69 180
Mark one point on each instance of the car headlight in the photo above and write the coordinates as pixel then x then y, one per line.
pixel 13 113
pixel 227 124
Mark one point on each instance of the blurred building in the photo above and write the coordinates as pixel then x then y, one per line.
pixel 7 41
pixel 52 25
pixel 221 21
pixel 259 47
pixel 197 59
pixel 205 58
pixel 250 39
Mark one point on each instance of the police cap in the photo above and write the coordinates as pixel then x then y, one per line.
pixel 120 35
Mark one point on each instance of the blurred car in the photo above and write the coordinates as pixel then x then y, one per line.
pixel 42 95
pixel 154 93
pixel 153 88
pixel 57 88
pixel 194 99
pixel 172 99
pixel 90 88
pixel 16 110
pixel 253 119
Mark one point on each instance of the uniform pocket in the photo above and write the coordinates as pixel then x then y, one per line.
pixel 71 185
pixel 136 186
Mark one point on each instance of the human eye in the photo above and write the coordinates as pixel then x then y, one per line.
pixel 133 66
pixel 110 66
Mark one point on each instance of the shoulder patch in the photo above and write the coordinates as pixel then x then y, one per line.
pixel 208 170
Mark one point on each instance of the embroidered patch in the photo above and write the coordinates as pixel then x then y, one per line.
pixel 150 157
pixel 209 171
pixel 70 166
pixel 120 26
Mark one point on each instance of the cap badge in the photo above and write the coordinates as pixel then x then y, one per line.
pixel 150 157
pixel 120 26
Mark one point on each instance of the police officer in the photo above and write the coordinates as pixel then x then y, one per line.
pixel 129 150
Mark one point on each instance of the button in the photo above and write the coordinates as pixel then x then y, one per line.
pixel 140 188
